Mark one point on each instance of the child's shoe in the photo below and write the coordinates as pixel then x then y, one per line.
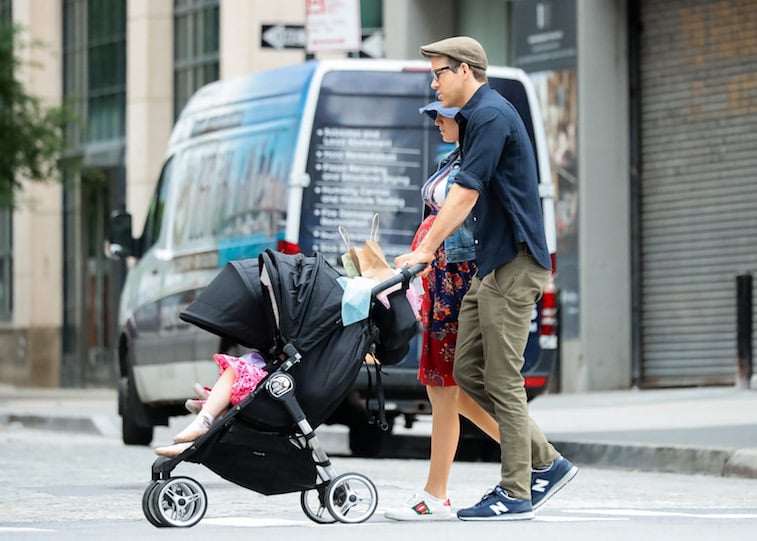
pixel 194 405
pixel 196 428
pixel 201 391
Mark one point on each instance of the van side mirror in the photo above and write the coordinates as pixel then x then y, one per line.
pixel 120 244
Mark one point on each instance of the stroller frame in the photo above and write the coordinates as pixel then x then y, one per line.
pixel 182 502
pixel 348 498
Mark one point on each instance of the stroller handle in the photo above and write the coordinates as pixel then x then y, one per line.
pixel 405 275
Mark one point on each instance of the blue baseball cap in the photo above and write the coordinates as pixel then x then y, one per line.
pixel 435 107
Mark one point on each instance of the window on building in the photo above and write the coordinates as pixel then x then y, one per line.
pixel 75 65
pixel 106 85
pixel 6 11
pixel 195 48
pixel 371 17
pixel 94 82
pixel 6 264
pixel 371 28
pixel 94 68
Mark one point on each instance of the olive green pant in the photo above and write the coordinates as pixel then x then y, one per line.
pixel 494 323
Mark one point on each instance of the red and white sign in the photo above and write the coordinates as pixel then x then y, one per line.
pixel 332 25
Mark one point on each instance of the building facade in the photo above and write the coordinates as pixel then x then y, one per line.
pixel 647 105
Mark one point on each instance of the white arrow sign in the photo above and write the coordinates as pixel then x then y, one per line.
pixel 279 36
pixel 373 45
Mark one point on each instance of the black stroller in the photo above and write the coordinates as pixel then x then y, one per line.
pixel 289 308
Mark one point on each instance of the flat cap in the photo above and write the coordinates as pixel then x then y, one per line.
pixel 461 48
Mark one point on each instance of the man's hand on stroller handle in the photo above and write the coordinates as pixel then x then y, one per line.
pixel 413 259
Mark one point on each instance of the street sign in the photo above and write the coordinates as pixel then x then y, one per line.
pixel 333 26
pixel 281 36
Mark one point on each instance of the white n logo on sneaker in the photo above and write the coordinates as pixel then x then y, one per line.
pixel 499 508
pixel 540 485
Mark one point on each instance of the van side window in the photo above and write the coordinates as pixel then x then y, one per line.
pixel 154 219
pixel 232 192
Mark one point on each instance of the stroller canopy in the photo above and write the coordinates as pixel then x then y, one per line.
pixel 306 298
pixel 232 306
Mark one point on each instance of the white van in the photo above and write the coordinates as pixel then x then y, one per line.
pixel 279 159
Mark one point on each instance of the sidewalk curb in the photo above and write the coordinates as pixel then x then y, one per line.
pixel 83 425
pixel 741 463
pixel 664 458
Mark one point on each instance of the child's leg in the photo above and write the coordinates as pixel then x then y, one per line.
pixel 220 395
pixel 216 403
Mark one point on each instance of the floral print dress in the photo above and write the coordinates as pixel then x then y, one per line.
pixel 444 287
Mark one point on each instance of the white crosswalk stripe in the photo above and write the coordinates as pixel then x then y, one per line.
pixel 647 513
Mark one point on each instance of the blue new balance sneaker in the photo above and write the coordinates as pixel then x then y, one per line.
pixel 546 482
pixel 497 505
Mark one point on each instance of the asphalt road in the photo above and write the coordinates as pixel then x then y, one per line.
pixel 65 485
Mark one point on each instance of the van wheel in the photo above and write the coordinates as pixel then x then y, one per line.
pixel 128 402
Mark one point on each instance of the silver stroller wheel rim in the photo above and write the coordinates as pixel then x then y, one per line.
pixel 180 502
pixel 351 498
pixel 313 506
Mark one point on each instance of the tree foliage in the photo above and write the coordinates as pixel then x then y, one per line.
pixel 32 137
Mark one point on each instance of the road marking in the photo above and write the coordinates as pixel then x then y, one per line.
pixel 256 522
pixel 11 529
pixel 580 519
pixel 272 522
pixel 644 513
pixel 590 515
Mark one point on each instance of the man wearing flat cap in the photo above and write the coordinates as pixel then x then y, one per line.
pixel 498 183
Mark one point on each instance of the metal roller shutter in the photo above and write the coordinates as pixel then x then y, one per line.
pixel 698 184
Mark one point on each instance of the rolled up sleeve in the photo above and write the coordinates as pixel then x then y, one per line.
pixel 485 137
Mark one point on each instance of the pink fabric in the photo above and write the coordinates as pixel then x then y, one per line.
pixel 248 370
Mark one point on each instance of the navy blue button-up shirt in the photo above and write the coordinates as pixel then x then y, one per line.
pixel 498 161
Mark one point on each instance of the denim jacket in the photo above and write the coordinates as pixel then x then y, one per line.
pixel 460 245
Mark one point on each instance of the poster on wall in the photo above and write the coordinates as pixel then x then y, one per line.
pixel 544 36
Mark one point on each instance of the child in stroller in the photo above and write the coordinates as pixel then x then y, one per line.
pixel 287 307
pixel 238 377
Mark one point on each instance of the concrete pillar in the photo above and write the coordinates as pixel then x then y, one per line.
pixel 149 95
pixel 32 347
pixel 410 24
pixel 241 22
pixel 602 358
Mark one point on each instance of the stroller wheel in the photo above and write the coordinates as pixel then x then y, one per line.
pixel 313 505
pixel 351 498
pixel 179 501
pixel 147 509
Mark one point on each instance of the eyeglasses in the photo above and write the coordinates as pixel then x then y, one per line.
pixel 435 73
